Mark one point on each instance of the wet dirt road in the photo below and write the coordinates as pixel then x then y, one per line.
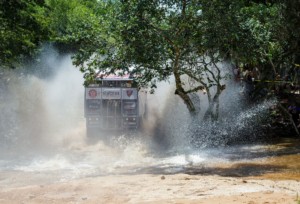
pixel 131 173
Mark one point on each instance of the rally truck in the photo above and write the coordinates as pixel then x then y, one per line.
pixel 114 102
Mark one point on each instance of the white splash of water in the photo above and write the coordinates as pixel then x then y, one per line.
pixel 49 129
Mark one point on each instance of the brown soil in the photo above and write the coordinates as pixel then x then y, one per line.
pixel 271 180
pixel 149 188
pixel 154 189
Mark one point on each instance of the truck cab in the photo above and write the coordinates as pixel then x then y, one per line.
pixel 114 103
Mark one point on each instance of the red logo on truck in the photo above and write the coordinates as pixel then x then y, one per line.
pixel 93 93
pixel 129 92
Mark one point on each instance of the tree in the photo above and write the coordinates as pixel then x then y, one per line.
pixel 23 27
pixel 188 38
pixel 290 38
pixel 74 23
pixel 262 21
pixel 158 39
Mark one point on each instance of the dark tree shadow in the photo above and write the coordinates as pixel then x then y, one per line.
pixel 238 170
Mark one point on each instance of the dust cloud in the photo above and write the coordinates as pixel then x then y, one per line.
pixel 42 128
pixel 42 123
pixel 39 111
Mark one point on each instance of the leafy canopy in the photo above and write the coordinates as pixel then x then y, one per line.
pixel 23 27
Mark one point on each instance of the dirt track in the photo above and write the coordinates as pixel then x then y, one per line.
pixel 150 188
pixel 258 174
pixel 270 181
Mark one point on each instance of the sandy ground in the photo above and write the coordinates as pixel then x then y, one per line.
pixel 149 188
pixel 272 179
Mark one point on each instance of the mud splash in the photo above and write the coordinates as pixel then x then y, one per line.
pixel 43 134
pixel 272 161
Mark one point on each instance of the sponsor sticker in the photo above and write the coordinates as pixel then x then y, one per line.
pixel 93 93
pixel 129 94
pixel 111 93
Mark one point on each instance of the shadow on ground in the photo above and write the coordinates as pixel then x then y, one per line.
pixel 241 161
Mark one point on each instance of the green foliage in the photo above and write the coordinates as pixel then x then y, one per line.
pixel 159 38
pixel 75 23
pixel 221 26
pixel 258 33
pixel 261 23
pixel 290 38
pixel 148 35
pixel 241 31
pixel 23 27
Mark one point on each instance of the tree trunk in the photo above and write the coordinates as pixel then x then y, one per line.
pixel 179 88
pixel 286 112
pixel 183 95
pixel 212 111
pixel 187 100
